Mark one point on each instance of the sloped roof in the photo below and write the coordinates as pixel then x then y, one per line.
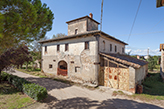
pixel 82 18
pixel 125 59
pixel 82 34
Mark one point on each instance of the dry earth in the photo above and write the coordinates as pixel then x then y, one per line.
pixel 65 96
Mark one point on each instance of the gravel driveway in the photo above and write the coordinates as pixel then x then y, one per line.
pixel 65 96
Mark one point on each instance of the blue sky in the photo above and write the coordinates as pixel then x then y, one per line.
pixel 118 17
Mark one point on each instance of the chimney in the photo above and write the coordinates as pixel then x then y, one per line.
pixel 91 15
pixel 138 57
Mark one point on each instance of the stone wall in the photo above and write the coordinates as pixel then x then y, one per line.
pixel 141 73
pixel 132 84
pixel 80 25
pixel 106 48
pixel 162 61
pixel 91 25
pixel 115 77
pixel 80 61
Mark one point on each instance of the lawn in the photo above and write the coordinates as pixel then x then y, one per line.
pixel 11 98
pixel 154 86
pixel 153 89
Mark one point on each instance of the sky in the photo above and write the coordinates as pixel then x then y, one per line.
pixel 117 21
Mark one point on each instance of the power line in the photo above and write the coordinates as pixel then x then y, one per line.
pixel 134 20
pixel 156 24
pixel 141 33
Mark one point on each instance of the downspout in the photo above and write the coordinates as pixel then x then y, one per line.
pixel 41 57
pixel 97 63
pixel 117 76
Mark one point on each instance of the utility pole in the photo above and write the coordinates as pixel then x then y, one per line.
pixel 101 14
pixel 148 52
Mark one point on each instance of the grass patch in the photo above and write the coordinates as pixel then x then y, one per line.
pixel 153 89
pixel 118 93
pixel 31 72
pixel 153 85
pixel 11 98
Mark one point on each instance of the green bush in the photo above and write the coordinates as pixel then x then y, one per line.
pixel 18 82
pixel 4 76
pixel 35 91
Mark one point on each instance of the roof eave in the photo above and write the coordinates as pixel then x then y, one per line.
pixel 82 18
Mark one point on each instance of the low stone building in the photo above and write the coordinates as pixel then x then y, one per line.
pixel 82 52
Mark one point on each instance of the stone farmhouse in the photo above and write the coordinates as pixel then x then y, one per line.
pixel 92 56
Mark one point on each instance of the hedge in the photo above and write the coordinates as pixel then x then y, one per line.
pixel 33 90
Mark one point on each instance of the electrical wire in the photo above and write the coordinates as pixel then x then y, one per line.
pixel 156 24
pixel 141 33
pixel 134 20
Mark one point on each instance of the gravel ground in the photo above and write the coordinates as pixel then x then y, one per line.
pixel 65 96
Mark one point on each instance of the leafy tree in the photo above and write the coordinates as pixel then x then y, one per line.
pixel 23 20
pixel 152 63
pixel 59 35
pixel 14 56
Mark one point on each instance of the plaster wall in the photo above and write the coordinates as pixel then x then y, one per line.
pixel 106 48
pixel 80 25
pixel 132 84
pixel 141 73
pixel 80 61
pixel 117 78
pixel 91 25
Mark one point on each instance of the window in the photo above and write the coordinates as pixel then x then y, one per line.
pixel 87 45
pixel 115 48
pixel 58 47
pixel 45 49
pixel 104 45
pixel 123 50
pixel 77 69
pixel 76 31
pixel 50 65
pixel 66 47
pixel 110 47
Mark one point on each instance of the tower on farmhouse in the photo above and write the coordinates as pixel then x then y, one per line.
pixel 82 25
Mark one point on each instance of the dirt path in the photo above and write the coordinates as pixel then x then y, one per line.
pixel 65 96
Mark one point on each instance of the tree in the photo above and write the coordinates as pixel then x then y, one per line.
pixel 14 56
pixel 152 63
pixel 23 20
pixel 59 35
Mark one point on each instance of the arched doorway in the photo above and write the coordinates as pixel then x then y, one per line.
pixel 62 68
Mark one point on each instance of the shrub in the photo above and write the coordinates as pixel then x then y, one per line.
pixel 35 91
pixel 4 76
pixel 18 82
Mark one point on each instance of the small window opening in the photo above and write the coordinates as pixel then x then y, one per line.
pixel 45 48
pixel 58 47
pixel 77 68
pixel 50 65
pixel 87 45
pixel 76 31
pixel 123 50
pixel 115 48
pixel 110 47
pixel 104 45
pixel 66 47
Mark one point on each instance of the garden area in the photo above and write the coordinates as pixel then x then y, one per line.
pixel 11 98
pixel 16 92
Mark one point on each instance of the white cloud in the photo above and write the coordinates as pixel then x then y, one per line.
pixel 142 51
